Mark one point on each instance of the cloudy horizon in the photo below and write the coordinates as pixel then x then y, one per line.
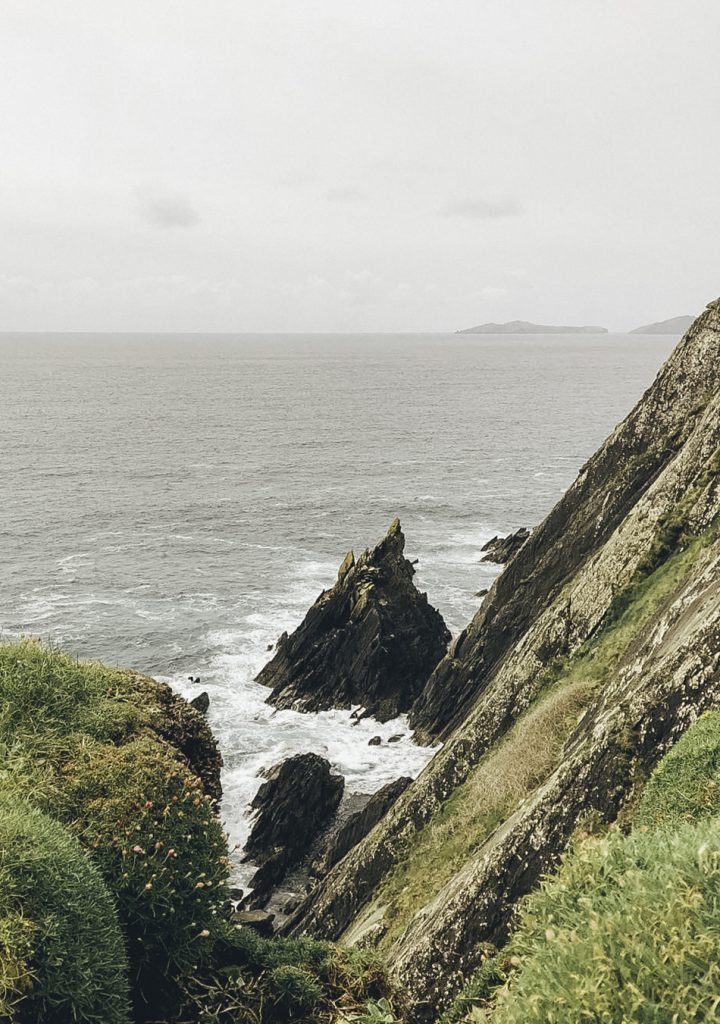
pixel 392 166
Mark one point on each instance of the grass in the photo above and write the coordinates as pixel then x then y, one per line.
pixel 626 933
pixel 278 980
pixel 532 748
pixel 685 785
pixel 62 956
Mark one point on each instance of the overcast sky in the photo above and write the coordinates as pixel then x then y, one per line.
pixel 357 165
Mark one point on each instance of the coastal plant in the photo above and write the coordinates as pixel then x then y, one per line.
pixel 627 931
pixel 83 743
pixel 62 956
pixel 685 785
pixel 153 833
pixel 274 980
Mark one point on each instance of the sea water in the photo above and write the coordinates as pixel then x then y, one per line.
pixel 173 503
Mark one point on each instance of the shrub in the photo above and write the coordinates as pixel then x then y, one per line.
pixel 685 785
pixel 62 956
pixel 84 743
pixel 270 981
pixel 143 817
pixel 628 931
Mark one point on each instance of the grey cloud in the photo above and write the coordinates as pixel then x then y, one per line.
pixel 481 209
pixel 166 209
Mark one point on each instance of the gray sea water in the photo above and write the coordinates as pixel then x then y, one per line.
pixel 173 503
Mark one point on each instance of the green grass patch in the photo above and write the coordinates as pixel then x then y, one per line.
pixel 685 785
pixel 627 931
pixel 62 956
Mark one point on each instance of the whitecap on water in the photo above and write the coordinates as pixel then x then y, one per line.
pixel 254 736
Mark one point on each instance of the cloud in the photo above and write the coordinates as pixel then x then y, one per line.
pixel 164 208
pixel 345 194
pixel 481 209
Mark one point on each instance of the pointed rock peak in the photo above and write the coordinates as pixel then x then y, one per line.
pixel 392 543
pixel 395 528
pixel 346 565
pixel 372 639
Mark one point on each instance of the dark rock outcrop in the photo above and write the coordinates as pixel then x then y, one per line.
pixel 359 824
pixel 372 640
pixel 501 549
pixel 201 703
pixel 298 799
pixel 259 920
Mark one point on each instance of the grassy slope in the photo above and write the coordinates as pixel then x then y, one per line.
pixel 526 755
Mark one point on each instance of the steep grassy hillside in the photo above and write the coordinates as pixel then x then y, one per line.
pixel 611 611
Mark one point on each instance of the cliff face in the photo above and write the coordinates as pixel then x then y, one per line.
pixel 371 640
pixel 597 646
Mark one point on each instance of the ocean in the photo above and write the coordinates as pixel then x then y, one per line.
pixel 174 502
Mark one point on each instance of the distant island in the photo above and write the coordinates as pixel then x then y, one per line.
pixel 676 325
pixel 524 327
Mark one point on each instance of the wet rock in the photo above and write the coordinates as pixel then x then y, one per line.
pixel 397 737
pixel 501 549
pixel 481 593
pixel 361 822
pixel 375 741
pixel 259 920
pixel 298 799
pixel 373 640
pixel 201 703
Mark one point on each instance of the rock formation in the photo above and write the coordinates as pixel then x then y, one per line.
pixel 298 799
pixel 372 640
pixel 613 607
pixel 359 824
pixel 501 549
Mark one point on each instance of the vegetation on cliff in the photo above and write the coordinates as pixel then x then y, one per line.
pixel 114 866
pixel 627 930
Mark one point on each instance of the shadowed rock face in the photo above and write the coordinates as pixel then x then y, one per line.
pixel 359 824
pixel 501 549
pixel 298 799
pixel 372 640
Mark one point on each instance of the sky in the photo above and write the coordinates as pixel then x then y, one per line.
pixel 357 165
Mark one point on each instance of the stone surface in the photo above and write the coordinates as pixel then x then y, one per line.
pixel 358 825
pixel 298 799
pixel 259 920
pixel 372 640
pixel 201 703
pixel 501 549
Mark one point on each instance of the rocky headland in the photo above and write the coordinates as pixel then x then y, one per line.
pixel 525 327
pixel 675 325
